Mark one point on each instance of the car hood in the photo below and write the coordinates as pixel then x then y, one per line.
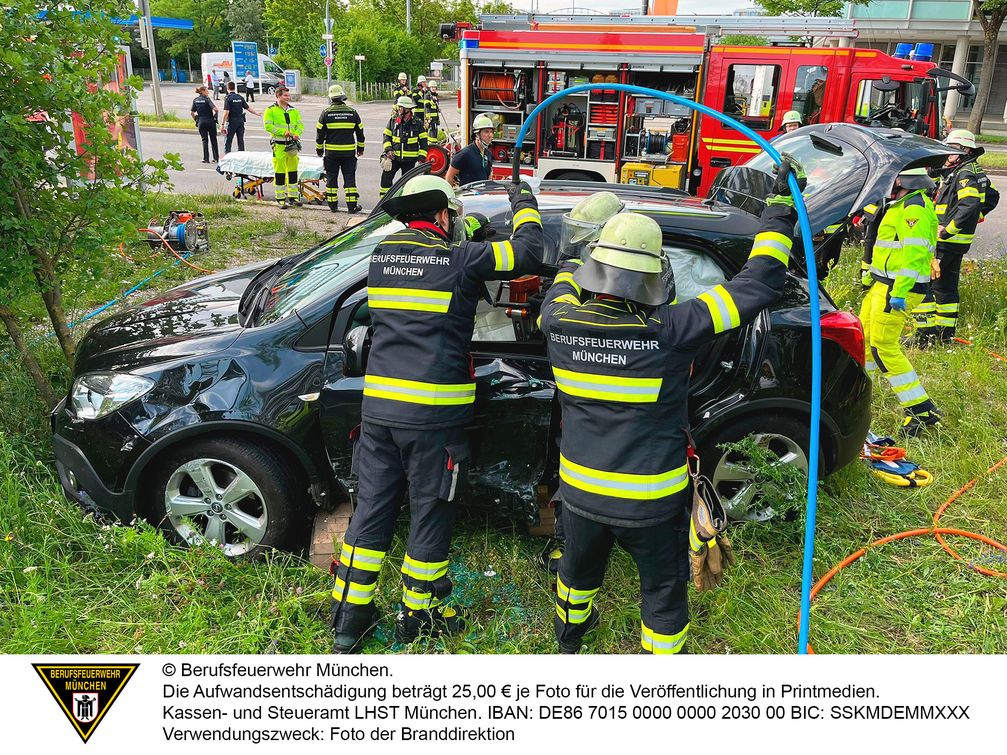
pixel 848 167
pixel 198 318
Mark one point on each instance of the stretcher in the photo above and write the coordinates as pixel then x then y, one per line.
pixel 253 170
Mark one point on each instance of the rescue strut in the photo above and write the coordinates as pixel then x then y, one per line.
pixel 816 327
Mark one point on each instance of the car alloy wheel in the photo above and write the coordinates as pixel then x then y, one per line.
pixel 737 484
pixel 209 500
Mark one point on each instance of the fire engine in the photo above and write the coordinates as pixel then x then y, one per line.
pixel 511 63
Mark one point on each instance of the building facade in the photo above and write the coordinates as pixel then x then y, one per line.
pixel 958 45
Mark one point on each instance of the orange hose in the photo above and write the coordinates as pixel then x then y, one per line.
pixel 177 255
pixel 937 532
pixel 122 251
pixel 998 357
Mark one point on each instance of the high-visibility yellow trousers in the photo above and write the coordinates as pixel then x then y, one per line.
pixel 883 328
pixel 285 172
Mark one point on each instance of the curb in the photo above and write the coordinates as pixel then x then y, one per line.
pixel 166 130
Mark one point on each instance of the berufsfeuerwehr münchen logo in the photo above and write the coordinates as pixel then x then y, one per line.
pixel 85 691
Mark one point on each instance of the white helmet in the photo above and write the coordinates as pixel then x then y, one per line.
pixel 421 80
pixel 961 137
pixel 482 121
pixel 403 77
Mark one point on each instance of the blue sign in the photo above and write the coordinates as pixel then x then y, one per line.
pixel 290 79
pixel 246 58
pixel 272 51
pixel 321 50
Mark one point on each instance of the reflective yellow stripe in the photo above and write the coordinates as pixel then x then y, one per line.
pixel 361 558
pixel 415 299
pixel 567 299
pixel 662 644
pixel 608 387
pixel 871 209
pixel 959 238
pixel 427 571
pixel 418 601
pixel 723 311
pixel 623 485
pixel 941 208
pixel 574 595
pixel 695 541
pixel 952 227
pixel 356 593
pixel 573 615
pixel 503 256
pixel 968 191
pixel 567 277
pixel 774 245
pixel 417 392
pixel 527 215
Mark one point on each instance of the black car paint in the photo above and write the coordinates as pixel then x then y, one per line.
pixel 215 376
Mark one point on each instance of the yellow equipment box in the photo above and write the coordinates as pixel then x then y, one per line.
pixel 636 173
pixel 668 175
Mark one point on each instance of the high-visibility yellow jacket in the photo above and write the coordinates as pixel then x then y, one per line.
pixel 906 242
pixel 278 122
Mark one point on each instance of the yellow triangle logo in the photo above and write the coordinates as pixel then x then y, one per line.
pixel 85 691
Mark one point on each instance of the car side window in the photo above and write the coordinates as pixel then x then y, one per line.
pixel 694 271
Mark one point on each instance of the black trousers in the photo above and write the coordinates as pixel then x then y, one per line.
pixel 250 94
pixel 431 465
pixel 937 315
pixel 346 163
pixel 661 555
pixel 388 176
pixel 208 133
pixel 235 129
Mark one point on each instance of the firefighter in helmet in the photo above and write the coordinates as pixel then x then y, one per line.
pixel 339 141
pixel 423 289
pixel 964 195
pixel 902 263
pixel 401 89
pixel 405 142
pixel 474 162
pixel 621 348
pixel 791 121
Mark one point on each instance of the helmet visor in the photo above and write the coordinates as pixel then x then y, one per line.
pixel 575 236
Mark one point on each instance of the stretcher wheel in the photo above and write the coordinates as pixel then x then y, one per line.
pixel 236 193
pixel 438 159
pixel 228 176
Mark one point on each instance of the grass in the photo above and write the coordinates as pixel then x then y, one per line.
pixel 168 120
pixel 71 584
pixel 991 139
pixel 995 160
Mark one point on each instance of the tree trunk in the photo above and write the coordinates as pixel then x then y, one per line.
pixel 991 31
pixel 43 385
pixel 49 290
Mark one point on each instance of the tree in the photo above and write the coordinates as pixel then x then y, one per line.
pixel 298 25
pixel 210 32
pixel 71 195
pixel 744 40
pixel 991 14
pixel 245 18
pixel 808 8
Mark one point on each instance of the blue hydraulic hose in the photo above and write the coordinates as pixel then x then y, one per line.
pixel 816 327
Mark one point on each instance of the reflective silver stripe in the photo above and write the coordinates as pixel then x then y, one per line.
pixel 881 244
pixel 648 487
pixel 919 242
pixel 870 366
pixel 907 273
pixel 913 394
pixel 904 379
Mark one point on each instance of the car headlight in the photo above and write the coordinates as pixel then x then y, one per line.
pixel 98 393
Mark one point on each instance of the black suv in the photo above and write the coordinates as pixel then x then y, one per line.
pixel 220 408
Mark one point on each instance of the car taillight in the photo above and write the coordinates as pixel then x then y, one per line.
pixel 845 329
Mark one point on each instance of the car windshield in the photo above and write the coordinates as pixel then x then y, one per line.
pixel 327 269
pixel 824 166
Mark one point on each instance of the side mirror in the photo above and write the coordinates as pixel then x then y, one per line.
pixel 356 347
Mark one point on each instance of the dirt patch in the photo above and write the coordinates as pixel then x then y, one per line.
pixel 296 221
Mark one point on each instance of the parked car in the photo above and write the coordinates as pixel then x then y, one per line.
pixel 220 408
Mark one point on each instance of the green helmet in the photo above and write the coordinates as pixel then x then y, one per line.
pixel 422 195
pixel 336 92
pixel 628 261
pixel 406 102
pixel 482 121
pixel 961 137
pixel 792 116
pixel 914 179
pixel 583 224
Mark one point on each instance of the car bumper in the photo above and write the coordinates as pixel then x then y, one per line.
pixel 96 484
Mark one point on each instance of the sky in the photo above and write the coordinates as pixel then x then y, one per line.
pixel 685 7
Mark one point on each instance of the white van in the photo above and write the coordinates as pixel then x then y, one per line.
pixel 270 74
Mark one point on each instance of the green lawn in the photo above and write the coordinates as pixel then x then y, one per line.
pixel 70 584
pixel 168 120
pixel 994 160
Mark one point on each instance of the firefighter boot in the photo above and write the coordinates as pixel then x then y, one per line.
pixel 916 423
pixel 351 625
pixel 435 622
pixel 571 645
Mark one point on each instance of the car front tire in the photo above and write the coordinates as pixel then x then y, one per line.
pixel 233 493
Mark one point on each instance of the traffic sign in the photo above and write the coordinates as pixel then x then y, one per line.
pixel 246 58
pixel 360 57
pixel 328 62
pixel 272 51
pixel 328 36
pixel 322 50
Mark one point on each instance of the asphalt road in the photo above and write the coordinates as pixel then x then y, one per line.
pixel 198 178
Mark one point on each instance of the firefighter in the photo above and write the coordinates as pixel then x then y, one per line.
pixel 405 142
pixel 423 289
pixel 283 123
pixel 959 202
pixel 902 262
pixel 419 96
pixel 339 139
pixel 622 356
pixel 432 112
pixel 402 89
pixel 474 162
pixel 791 122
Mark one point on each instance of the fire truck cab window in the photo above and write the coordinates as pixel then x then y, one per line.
pixel 892 104
pixel 809 92
pixel 751 94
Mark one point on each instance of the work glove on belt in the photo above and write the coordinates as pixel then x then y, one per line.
pixel 709 549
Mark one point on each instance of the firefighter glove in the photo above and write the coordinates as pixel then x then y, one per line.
pixel 515 191
pixel 320 152
pixel 787 166
pixel 897 303
pixel 709 549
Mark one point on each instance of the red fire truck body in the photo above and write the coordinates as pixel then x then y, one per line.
pixel 608 135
